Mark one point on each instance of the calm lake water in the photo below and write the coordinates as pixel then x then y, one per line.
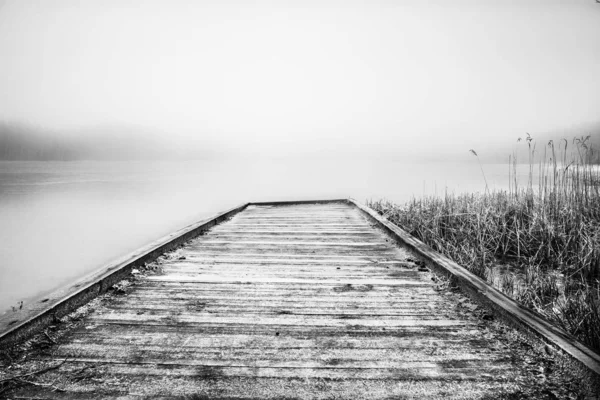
pixel 62 220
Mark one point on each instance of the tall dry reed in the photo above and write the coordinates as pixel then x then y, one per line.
pixel 538 241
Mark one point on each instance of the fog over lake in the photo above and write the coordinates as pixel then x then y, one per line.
pixel 224 102
pixel 63 220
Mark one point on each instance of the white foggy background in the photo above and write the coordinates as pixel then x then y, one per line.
pixel 359 76
pixel 283 100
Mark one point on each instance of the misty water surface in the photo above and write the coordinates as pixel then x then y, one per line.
pixel 62 220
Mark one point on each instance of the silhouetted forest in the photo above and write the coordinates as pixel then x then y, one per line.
pixel 27 143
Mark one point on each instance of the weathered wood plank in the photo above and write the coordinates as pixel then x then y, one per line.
pixel 402 371
pixel 265 231
pixel 250 297
pixel 119 335
pixel 219 279
pixel 368 257
pixel 289 238
pixel 320 293
pixel 466 332
pixel 312 226
pixel 141 387
pixel 282 358
pixel 165 308
pixel 192 318
pixel 249 275
pixel 235 271
pixel 207 241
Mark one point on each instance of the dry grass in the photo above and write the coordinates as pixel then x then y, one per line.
pixel 538 242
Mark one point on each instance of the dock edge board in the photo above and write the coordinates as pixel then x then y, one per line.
pixel 24 323
pixel 297 202
pixel 522 318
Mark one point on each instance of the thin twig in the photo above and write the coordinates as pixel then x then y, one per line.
pixel 51 385
pixel 49 338
pixel 39 371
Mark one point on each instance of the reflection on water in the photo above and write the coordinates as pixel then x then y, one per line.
pixel 60 221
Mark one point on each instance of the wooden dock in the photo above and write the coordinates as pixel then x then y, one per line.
pixel 299 301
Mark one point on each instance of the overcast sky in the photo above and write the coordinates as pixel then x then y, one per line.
pixel 353 75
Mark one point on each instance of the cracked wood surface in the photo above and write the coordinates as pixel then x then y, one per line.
pixel 295 301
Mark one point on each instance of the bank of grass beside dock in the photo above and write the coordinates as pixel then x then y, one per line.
pixel 539 242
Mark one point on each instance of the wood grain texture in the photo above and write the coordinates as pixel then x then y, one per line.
pixel 279 302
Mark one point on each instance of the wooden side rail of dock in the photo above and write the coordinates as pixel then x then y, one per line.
pixel 316 299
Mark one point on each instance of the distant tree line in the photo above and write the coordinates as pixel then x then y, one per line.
pixel 21 142
pixel 24 143
pixel 27 143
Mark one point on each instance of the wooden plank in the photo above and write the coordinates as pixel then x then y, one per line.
pixel 296 203
pixel 298 225
pixel 235 232
pixel 290 308
pixel 466 332
pixel 322 336
pixel 279 357
pixel 382 251
pixel 211 383
pixel 207 241
pixel 369 257
pixel 219 279
pixel 253 261
pixel 250 274
pixel 288 237
pixel 121 335
pixel 292 269
pixel 285 297
pixel 191 318
pixel 340 223
pixel 405 371
pixel 315 289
